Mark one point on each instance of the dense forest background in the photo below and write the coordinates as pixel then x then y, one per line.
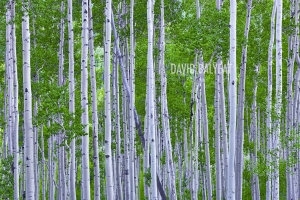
pixel 166 99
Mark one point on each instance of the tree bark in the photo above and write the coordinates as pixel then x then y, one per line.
pixel 108 153
pixel 29 137
pixel 84 104
pixel 231 190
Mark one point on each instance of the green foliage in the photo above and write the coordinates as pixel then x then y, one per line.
pixel 147 177
pixel 7 178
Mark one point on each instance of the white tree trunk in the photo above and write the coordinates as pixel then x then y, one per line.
pixel 151 99
pixel 206 138
pixel 94 105
pixel 278 100
pixel 72 177
pixel 84 104
pixel 232 112
pixel 241 106
pixel 217 135
pixel 16 102
pixel 164 110
pixel 108 153
pixel 131 106
pixel 269 103
pixel 29 137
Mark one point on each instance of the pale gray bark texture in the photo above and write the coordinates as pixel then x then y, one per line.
pixel 151 99
pixel 206 138
pixel 241 107
pixel 84 104
pixel 217 135
pixel 29 137
pixel 165 112
pixel 278 100
pixel 131 107
pixel 269 102
pixel 72 186
pixel 16 102
pixel 94 105
pixel 231 190
pixel 108 152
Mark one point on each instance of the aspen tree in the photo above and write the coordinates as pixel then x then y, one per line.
pixel 164 109
pixel 231 192
pixel 30 179
pixel 108 153
pixel 205 129
pixel 9 76
pixel 137 121
pixel 278 99
pixel 94 104
pixel 253 140
pixel 84 103
pixel 241 105
pixel 217 134
pixel 224 127
pixel 72 188
pixel 29 137
pixel 61 150
pixel 269 101
pixel 118 131
pixel 16 101
pixel 151 98
pixel 131 106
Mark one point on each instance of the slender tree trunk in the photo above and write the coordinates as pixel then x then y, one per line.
pixel 84 104
pixel 94 105
pixel 224 129
pixel 269 102
pixel 29 137
pixel 9 76
pixel 278 99
pixel 108 153
pixel 198 9
pixel 217 136
pixel 241 106
pixel 43 165
pixel 131 106
pixel 118 133
pixel 72 180
pixel 206 138
pixel 151 99
pixel 16 102
pixel 231 192
pixel 60 135
pixel 164 110
pixel 253 140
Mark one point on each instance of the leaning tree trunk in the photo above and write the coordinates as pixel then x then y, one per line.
pixel 29 137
